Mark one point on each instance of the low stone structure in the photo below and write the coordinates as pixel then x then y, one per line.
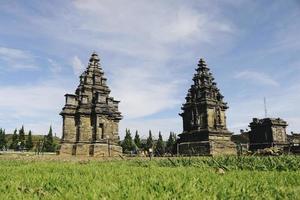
pixel 267 132
pixel 204 120
pixel 294 138
pixel 91 116
pixel 294 141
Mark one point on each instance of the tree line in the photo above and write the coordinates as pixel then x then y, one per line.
pixel 160 147
pixel 21 141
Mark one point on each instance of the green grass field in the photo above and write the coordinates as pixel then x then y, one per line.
pixel 175 178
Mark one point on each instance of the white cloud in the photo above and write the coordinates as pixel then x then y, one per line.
pixel 256 78
pixel 34 106
pixel 143 92
pixel 54 66
pixel 151 23
pixel 136 28
pixel 145 100
pixel 16 58
pixel 77 65
pixel 287 33
pixel 10 53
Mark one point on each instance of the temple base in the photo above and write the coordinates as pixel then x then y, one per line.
pixel 92 150
pixel 212 145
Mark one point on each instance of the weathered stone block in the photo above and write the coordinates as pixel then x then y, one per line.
pixel 100 150
pixel 194 148
pixel 85 129
pixel 116 150
pixel 222 147
pixel 66 149
pixel 82 149
pixel 69 129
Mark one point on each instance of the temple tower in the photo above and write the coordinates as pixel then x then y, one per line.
pixel 91 116
pixel 204 120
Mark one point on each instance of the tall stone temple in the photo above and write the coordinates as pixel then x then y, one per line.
pixel 204 119
pixel 91 116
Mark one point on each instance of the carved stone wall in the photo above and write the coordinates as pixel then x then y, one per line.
pixel 69 129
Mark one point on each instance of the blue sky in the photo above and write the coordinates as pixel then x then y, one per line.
pixel 149 50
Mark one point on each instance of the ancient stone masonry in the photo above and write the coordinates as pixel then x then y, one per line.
pixel 294 138
pixel 204 120
pixel 267 132
pixel 91 116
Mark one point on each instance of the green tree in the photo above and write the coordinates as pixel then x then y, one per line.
pixel 127 143
pixel 144 145
pixel 14 143
pixel 48 141
pixel 38 147
pixel 137 140
pixel 160 146
pixel 22 137
pixel 149 143
pixel 171 144
pixel 3 141
pixel 29 144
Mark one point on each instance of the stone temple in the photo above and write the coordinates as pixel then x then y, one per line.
pixel 91 116
pixel 267 132
pixel 204 119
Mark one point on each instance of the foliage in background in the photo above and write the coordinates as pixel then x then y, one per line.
pixel 127 143
pixel 21 138
pixel 14 141
pixel 171 144
pixel 160 146
pixel 49 145
pixel 137 140
pixel 3 141
pixel 150 142
pixel 29 143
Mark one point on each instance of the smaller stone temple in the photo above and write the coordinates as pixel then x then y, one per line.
pixel 267 132
pixel 204 120
pixel 294 138
pixel 91 116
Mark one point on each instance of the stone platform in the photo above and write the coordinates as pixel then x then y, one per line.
pixel 93 150
pixel 215 145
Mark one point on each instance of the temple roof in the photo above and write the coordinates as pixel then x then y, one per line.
pixel 202 65
pixel 204 86
pixel 94 92
pixel 94 57
pixel 93 77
